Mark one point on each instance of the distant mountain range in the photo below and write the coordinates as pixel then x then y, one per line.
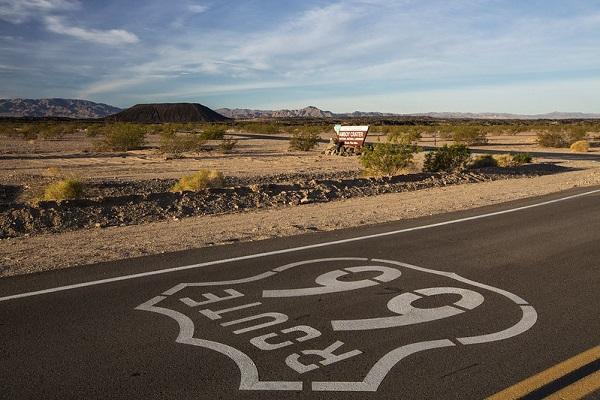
pixel 66 108
pixel 314 112
pixel 70 108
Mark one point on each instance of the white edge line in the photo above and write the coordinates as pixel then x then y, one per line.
pixel 290 250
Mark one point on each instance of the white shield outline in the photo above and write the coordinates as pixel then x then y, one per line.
pixel 249 376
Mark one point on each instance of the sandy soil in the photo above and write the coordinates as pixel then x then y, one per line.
pixel 46 252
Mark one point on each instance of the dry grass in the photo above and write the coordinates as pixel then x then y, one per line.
pixel 64 190
pixel 505 160
pixel 205 178
pixel 581 146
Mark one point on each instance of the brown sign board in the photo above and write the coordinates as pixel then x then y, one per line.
pixel 352 135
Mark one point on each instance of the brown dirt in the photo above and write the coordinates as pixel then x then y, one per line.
pixel 32 164
pixel 46 252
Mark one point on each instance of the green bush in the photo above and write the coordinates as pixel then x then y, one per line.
pixel 387 159
pixel 213 133
pixel 304 140
pixel 561 136
pixel 447 158
pixel 483 161
pixel 259 127
pixel 122 137
pixel 469 135
pixel 70 188
pixel 174 143
pixel 405 135
pixel 205 178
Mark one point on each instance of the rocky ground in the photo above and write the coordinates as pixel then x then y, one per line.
pixel 269 192
pixel 129 203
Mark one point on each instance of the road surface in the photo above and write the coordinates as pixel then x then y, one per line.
pixel 455 306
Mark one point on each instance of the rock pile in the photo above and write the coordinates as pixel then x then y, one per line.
pixel 19 219
pixel 338 148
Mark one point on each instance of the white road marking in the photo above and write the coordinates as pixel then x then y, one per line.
pixel 292 249
pixel 249 379
pixel 528 319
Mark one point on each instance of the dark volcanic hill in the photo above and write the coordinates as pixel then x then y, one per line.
pixel 65 108
pixel 168 112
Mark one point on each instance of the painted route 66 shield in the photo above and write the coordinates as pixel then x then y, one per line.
pixel 290 328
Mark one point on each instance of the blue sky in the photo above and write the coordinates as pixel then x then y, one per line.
pixel 373 55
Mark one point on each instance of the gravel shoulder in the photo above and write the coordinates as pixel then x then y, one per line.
pixel 23 255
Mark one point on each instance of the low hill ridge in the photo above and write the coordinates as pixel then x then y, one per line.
pixel 55 107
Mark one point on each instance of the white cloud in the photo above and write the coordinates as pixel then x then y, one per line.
pixel 109 37
pixel 18 11
pixel 197 8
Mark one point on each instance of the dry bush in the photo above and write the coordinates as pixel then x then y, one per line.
pixel 580 146
pixel 226 145
pixel 522 158
pixel 205 178
pixel 505 160
pixel 65 189
pixel 483 161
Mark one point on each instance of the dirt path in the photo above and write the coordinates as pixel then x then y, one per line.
pixel 46 252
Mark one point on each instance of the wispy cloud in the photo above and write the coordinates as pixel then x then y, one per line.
pixel 109 37
pixel 19 11
pixel 197 8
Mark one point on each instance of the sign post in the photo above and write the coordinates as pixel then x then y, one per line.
pixel 352 136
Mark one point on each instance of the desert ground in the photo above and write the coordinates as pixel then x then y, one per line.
pixel 27 166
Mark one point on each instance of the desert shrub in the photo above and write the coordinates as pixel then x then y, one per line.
pixel 580 146
pixel 70 188
pixel 28 131
pixel 304 140
pixel 522 158
pixel 259 127
pixel 469 135
pixel 483 161
pixel 213 133
pixel 561 136
pixel 387 159
pixel 447 158
pixel 549 138
pixel 205 178
pixel 55 131
pixel 174 143
pixel 407 135
pixel 505 160
pixel 122 137
pixel 226 145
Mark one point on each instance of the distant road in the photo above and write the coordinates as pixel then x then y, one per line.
pixel 544 154
pixel 455 306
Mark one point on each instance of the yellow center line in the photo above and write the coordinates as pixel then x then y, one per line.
pixel 579 389
pixel 551 374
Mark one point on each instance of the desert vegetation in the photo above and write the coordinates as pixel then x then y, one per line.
pixel 65 189
pixel 205 178
pixel 387 159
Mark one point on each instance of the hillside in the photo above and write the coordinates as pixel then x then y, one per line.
pixel 314 112
pixel 66 108
pixel 168 112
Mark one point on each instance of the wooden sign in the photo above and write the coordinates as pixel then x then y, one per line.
pixel 352 135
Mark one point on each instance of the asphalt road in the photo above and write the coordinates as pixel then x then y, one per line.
pixel 456 306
